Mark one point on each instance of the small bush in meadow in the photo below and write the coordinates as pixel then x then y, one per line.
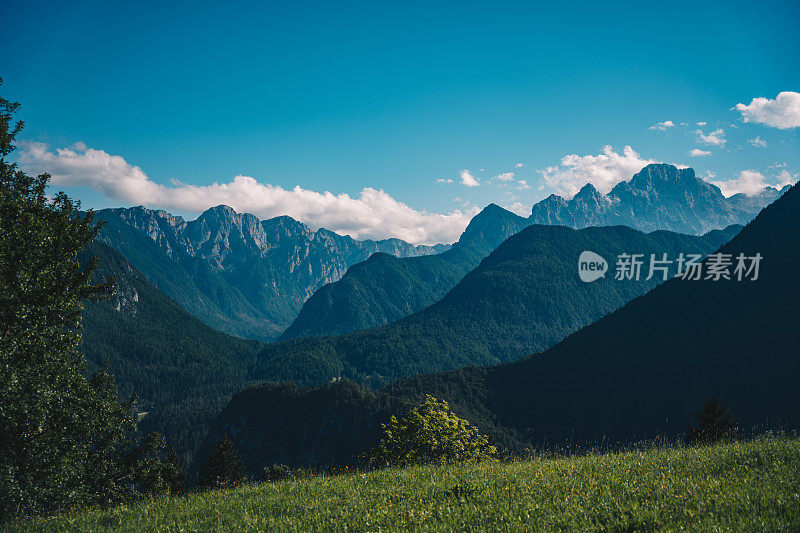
pixel 430 433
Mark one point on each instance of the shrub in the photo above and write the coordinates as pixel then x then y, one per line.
pixel 430 433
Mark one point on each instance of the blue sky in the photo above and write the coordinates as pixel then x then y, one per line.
pixel 393 97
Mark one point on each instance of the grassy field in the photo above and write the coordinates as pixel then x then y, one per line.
pixel 747 486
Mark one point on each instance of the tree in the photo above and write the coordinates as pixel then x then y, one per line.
pixel 430 433
pixel 63 437
pixel 223 468
pixel 714 423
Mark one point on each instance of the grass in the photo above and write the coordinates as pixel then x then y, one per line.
pixel 743 486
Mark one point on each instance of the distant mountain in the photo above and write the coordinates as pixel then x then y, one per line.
pixel 239 274
pixel 181 370
pixel 660 196
pixel 525 296
pixel 641 372
pixel 386 288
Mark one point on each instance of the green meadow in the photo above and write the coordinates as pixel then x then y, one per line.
pixel 741 486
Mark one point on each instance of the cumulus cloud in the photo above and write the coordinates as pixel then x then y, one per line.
pixel 696 152
pixel 783 112
pixel 715 138
pixel 371 214
pixel 505 176
pixel 523 184
pixel 701 124
pixel 758 142
pixel 751 182
pixel 467 179
pixel 661 126
pixel 519 208
pixel 785 178
pixel 519 165
pixel 603 170
pixel 444 180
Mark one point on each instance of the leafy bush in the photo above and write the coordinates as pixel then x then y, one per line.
pixel 65 440
pixel 430 433
pixel 276 472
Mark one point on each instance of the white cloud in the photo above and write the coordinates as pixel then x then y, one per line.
pixel 696 152
pixel 519 208
pixel 701 123
pixel 758 142
pixel 603 170
pixel 751 182
pixel 519 165
pixel 661 126
pixel 371 214
pixel 444 180
pixel 715 138
pixel 505 176
pixel 785 178
pixel 783 112
pixel 523 184
pixel 467 179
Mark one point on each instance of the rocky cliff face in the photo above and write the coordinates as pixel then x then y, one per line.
pixel 253 275
pixel 660 196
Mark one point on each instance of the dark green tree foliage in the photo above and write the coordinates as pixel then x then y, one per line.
pixel 430 433
pixel 714 423
pixel 223 468
pixel 63 437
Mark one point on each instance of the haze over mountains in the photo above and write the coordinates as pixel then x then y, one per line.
pixel 640 372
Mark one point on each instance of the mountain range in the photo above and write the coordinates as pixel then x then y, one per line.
pixel 238 274
pixel 640 372
pixel 524 297
pixel 384 289
pixel 660 196
pixel 277 278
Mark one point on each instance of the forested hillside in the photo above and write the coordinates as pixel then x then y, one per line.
pixel 386 288
pixel 181 370
pixel 524 297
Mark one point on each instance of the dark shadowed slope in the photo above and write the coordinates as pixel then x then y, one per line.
pixel 525 296
pixel 385 288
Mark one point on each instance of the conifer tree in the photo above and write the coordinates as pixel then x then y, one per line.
pixel 223 468
pixel 714 423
